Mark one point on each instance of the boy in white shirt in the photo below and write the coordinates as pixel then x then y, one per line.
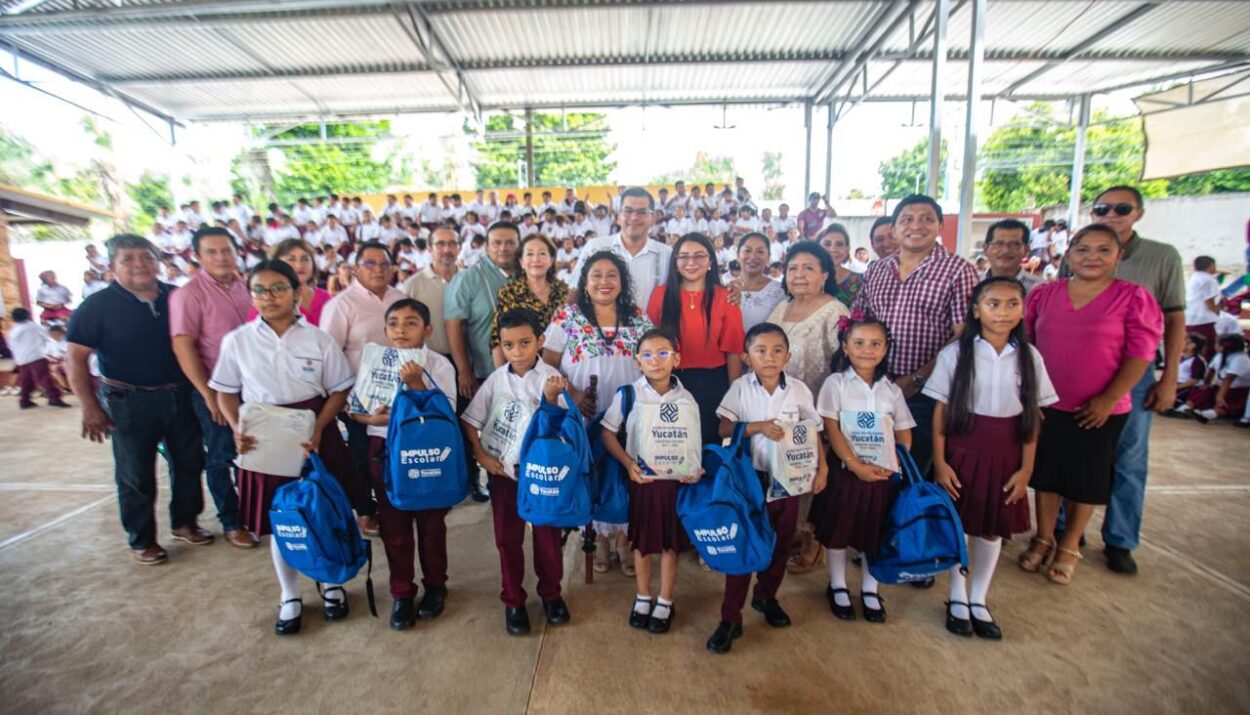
pixel 27 342
pixel 580 225
pixel 566 256
pixel 601 222
pixel 679 225
pixel 494 423
pixel 1202 301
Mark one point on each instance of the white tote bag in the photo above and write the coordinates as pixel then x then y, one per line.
pixel 505 429
pixel 794 461
pixel 280 433
pixel 871 437
pixel 378 381
pixel 668 439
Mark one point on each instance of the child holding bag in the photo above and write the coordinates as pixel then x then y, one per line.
pixel 662 447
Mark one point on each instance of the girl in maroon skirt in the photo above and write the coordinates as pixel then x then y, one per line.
pixel 282 360
pixel 653 524
pixel 989 387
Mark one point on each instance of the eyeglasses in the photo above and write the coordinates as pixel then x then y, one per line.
pixel 375 265
pixel 691 257
pixel 1119 209
pixel 274 291
pixel 628 212
pixel 661 355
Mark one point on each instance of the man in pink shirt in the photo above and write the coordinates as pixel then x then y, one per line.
pixel 354 318
pixel 214 302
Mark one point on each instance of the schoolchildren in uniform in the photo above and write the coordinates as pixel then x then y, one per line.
pixel 989 387
pixel 767 402
pixel 659 402
pixel 1192 372
pixel 1229 383
pixel 282 360
pixel 28 344
pixel 494 423
pixel 407 328
pixel 860 493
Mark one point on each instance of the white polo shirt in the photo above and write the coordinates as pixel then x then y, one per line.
pixel 26 342
pixel 303 363
pixel 436 368
pixel 748 401
pixel 847 391
pixel 1202 286
pixel 332 237
pixel 503 384
pixel 996 385
pixel 648 269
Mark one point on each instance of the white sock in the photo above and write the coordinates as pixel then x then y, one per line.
pixel 333 597
pixel 642 604
pixel 836 558
pixel 288 581
pixel 1209 414
pixel 663 607
pixel 984 561
pixel 1184 407
pixel 868 586
pixel 959 593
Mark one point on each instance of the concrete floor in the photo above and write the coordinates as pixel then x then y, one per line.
pixel 84 629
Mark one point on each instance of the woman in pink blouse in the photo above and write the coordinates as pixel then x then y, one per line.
pixel 1097 335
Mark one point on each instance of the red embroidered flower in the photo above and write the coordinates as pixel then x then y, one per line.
pixel 587 329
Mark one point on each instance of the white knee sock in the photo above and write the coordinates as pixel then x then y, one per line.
pixel 869 585
pixel 836 558
pixel 984 560
pixel 288 581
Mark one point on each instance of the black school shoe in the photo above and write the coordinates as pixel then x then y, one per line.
pixel 842 613
pixel 872 615
pixel 1120 560
pixel 988 630
pixel 517 621
pixel 925 583
pixel 290 626
pixel 659 626
pixel 774 615
pixel 432 603
pixel 557 612
pixel 958 626
pixel 640 620
pixel 335 610
pixel 402 616
pixel 722 640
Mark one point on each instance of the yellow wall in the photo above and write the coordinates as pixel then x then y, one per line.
pixel 597 194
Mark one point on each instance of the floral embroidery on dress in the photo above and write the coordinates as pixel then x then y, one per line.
pixel 585 343
pixel 516 293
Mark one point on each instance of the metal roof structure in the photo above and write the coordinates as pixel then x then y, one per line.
pixel 253 60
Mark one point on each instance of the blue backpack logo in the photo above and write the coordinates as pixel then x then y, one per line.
pixel 922 535
pixel 553 485
pixel 724 513
pixel 316 531
pixel 425 467
pixel 610 483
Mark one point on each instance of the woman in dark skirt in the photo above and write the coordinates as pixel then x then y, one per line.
pixel 659 399
pixel 1098 336
pixel 694 306
pixel 987 388
pixel 283 361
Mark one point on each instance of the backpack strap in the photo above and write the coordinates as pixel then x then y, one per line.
pixel 738 441
pixel 907 463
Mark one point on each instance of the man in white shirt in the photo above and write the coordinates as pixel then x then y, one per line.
pixel 242 211
pixel 647 260
pixel 783 221
pixel 1039 240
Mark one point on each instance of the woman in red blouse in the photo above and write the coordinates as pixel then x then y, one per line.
pixel 695 307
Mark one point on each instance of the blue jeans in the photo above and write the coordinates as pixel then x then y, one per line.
pixel 218 464
pixel 142 419
pixel 1121 526
pixel 922 407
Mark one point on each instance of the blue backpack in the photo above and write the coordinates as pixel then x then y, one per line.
pixel 316 531
pixel 922 535
pixel 425 466
pixel 610 482
pixel 724 512
pixel 553 481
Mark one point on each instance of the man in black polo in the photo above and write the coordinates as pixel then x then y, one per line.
pixel 143 399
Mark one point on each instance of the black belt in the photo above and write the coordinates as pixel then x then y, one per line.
pixel 143 388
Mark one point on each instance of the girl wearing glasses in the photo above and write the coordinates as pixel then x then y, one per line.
pixel 695 307
pixel 282 360
pixel 301 257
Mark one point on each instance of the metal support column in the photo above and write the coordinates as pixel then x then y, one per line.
pixel 807 150
pixel 968 187
pixel 829 152
pixel 529 148
pixel 936 92
pixel 1078 160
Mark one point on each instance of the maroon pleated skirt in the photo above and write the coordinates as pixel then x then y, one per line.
pixel 983 460
pixel 256 489
pixel 653 523
pixel 1203 398
pixel 850 511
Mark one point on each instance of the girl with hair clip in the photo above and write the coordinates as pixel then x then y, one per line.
pixel 989 387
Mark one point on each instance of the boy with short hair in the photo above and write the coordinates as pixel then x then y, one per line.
pixel 495 423
pixel 26 340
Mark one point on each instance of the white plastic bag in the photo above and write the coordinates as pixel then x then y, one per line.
pixel 794 461
pixel 280 433
pixel 871 437
pixel 504 430
pixel 378 381
pixel 668 439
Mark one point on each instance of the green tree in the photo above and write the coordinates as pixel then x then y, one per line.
pixel 146 196
pixel 569 150
pixel 1211 182
pixel 904 173
pixel 774 188
pixel 706 169
pixel 345 163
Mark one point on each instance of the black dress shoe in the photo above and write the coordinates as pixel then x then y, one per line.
pixel 872 615
pixel 289 626
pixel 402 617
pixel 774 615
pixel 658 626
pixel 958 626
pixel 926 583
pixel 557 612
pixel 479 494
pixel 988 630
pixel 1120 560
pixel 722 640
pixel 843 613
pixel 336 610
pixel 517 620
pixel 432 602
pixel 640 620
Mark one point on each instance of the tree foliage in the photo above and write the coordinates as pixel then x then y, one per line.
pixel 569 150
pixel 706 169
pixel 904 173
pixel 774 188
pixel 147 195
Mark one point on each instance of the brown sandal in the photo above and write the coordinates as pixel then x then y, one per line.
pixel 808 556
pixel 1061 573
pixel 1031 561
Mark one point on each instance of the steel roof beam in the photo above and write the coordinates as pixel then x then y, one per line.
pixel 1004 55
pixel 899 13
pixel 431 45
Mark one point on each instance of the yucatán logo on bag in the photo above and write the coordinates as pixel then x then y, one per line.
pixel 799 434
pixel 668 412
pixel 866 420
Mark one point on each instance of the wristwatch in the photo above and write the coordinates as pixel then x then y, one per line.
pixel 919 380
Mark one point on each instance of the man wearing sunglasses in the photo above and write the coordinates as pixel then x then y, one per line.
pixel 1157 267
pixel 354 318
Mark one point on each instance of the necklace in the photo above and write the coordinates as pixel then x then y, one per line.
pixel 693 301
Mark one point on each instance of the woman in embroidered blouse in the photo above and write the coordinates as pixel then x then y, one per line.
pixel 536 289
pixel 757 292
pixel 597 336
pixel 837 242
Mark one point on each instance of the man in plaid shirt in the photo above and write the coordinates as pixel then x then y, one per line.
pixel 921 292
